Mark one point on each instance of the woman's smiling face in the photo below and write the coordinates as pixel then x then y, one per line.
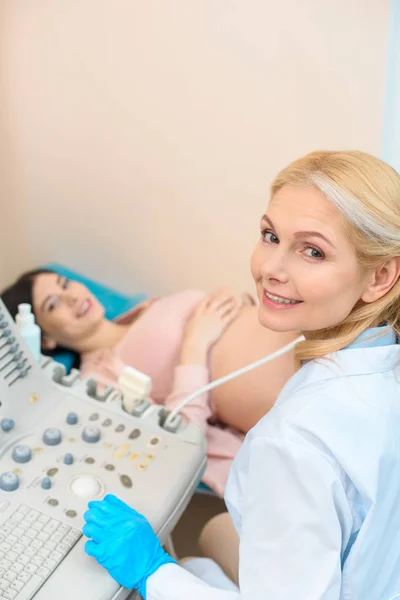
pixel 305 268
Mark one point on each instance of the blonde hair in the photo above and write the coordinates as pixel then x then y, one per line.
pixel 366 192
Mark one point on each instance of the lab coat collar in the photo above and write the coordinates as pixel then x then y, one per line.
pixel 345 363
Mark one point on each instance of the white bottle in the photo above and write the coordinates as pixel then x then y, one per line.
pixel 31 333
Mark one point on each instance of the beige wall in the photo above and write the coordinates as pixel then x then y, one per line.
pixel 139 138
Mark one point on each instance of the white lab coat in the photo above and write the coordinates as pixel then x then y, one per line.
pixel 314 492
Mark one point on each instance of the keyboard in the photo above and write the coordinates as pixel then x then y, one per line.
pixel 32 545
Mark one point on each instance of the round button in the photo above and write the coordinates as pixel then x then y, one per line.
pixel 22 454
pixel 7 424
pixel 126 481
pixel 52 436
pixel 46 483
pixel 120 428
pixel 72 418
pixel 134 434
pixel 109 467
pixel 53 502
pixel 68 459
pixel 94 417
pixel 71 513
pixel 89 460
pixel 53 471
pixel 9 482
pixel 91 435
pixel 85 486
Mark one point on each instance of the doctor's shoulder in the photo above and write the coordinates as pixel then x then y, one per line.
pixel 334 411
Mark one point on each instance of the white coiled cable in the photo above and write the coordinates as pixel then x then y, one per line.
pixel 230 376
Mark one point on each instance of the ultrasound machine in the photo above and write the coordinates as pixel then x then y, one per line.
pixel 63 442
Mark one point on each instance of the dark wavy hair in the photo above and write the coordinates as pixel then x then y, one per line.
pixel 22 291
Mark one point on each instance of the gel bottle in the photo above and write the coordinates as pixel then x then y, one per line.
pixel 29 330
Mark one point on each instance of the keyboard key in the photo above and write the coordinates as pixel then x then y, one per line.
pixel 17 568
pixel 43 572
pixel 71 538
pixel 75 534
pixel 17 585
pixel 18 516
pixel 57 556
pixel 50 545
pixel 44 553
pixel 30 588
pixel 51 526
pixel 44 519
pixel 32 515
pixel 57 537
pixel 5 530
pixel 64 528
pixel 31 546
pixel 49 564
pixel 37 561
pixel 37 544
pixel 24 509
pixel 12 523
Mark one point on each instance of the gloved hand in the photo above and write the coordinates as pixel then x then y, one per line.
pixel 123 542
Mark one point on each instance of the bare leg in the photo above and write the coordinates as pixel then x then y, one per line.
pixel 182 561
pixel 220 542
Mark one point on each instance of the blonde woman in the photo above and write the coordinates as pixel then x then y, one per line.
pixel 314 490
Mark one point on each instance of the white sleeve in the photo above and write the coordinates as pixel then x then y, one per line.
pixel 294 520
pixel 171 582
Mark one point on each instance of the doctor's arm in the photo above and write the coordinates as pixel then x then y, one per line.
pixel 123 542
pixel 295 521
pixel 295 518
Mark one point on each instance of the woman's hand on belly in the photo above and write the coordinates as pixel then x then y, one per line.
pixel 205 327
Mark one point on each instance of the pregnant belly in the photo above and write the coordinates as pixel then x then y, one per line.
pixel 244 400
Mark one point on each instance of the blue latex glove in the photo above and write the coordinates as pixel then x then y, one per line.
pixel 123 542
